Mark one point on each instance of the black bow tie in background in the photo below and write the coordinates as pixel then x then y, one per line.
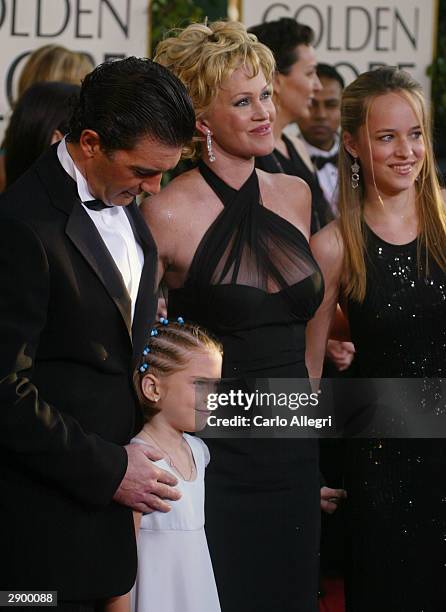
pixel 95 204
pixel 319 160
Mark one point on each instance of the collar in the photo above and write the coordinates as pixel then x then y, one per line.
pixel 316 151
pixel 72 170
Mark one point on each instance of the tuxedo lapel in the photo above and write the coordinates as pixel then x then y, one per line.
pixel 84 235
pixel 82 232
pixel 145 307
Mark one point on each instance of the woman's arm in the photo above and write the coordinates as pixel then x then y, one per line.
pixel 340 329
pixel 137 521
pixel 155 215
pixel 173 216
pixel 327 249
pixel 118 604
pixel 289 197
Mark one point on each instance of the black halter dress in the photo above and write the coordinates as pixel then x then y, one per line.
pixel 254 284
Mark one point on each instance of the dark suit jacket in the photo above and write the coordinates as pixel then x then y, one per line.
pixel 67 405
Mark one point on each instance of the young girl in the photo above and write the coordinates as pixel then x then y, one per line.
pixel 384 260
pixel 174 567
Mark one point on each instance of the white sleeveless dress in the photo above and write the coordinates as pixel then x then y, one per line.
pixel 174 567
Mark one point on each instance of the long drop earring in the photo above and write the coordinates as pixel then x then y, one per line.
pixel 355 173
pixel 211 155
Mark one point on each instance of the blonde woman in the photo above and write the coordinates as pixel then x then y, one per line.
pixel 233 250
pixel 53 63
pixel 385 262
pixel 48 63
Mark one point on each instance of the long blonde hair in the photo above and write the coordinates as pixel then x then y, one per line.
pixel 356 101
pixel 203 56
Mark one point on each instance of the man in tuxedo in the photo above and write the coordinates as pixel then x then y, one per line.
pixel 77 299
pixel 320 131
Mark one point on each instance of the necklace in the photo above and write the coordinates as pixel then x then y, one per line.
pixel 170 460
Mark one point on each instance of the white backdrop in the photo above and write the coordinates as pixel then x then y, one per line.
pixel 357 35
pixel 102 28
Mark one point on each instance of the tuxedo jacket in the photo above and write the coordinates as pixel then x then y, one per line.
pixel 67 405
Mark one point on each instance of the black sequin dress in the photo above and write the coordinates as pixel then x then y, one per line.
pixel 396 507
pixel 254 283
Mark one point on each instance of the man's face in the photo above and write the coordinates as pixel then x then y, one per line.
pixel 320 127
pixel 117 177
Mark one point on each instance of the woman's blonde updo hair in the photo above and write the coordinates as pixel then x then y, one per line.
pixel 357 100
pixel 203 56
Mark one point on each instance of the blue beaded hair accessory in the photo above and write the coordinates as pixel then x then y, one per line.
pixel 153 333
pixel 165 321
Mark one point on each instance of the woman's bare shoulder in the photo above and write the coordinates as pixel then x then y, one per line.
pixel 281 181
pixel 173 202
pixel 285 190
pixel 289 197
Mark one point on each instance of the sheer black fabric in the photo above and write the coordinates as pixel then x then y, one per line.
pixel 295 166
pixel 250 244
pixel 396 507
pixel 254 283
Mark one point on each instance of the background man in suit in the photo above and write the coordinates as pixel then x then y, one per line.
pixel 77 298
pixel 320 131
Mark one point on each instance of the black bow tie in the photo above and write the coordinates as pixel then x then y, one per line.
pixel 319 160
pixel 95 205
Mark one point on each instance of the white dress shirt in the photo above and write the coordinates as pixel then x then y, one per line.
pixel 114 228
pixel 328 175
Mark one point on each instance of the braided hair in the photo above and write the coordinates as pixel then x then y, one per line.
pixel 167 351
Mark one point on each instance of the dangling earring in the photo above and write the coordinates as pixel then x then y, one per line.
pixel 355 174
pixel 209 146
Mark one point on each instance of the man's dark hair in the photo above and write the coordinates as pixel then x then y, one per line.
pixel 42 109
pixel 129 99
pixel 329 72
pixel 282 37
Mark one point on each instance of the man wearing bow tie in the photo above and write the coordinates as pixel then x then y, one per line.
pixel 77 298
pixel 319 131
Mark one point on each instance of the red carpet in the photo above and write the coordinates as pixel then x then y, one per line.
pixel 333 599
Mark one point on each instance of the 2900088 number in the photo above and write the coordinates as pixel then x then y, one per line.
pixel 28 598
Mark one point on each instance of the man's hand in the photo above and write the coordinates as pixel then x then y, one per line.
pixel 330 498
pixel 145 486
